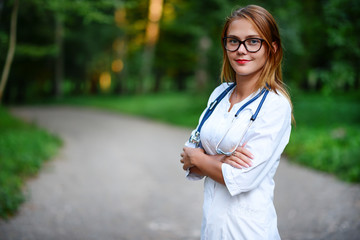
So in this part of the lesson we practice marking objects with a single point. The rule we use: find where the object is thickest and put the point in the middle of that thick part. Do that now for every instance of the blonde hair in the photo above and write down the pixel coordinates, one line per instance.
(264, 23)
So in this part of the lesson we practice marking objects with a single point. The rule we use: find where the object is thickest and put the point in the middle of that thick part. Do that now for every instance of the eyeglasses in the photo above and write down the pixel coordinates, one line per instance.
(252, 45)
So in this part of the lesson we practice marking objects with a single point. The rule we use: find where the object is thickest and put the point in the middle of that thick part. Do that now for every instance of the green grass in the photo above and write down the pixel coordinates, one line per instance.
(334, 150)
(326, 136)
(23, 149)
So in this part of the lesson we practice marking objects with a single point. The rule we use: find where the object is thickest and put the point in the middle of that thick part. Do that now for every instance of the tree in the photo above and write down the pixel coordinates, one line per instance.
(45, 53)
(59, 62)
(1, 6)
(11, 50)
(62, 11)
(151, 39)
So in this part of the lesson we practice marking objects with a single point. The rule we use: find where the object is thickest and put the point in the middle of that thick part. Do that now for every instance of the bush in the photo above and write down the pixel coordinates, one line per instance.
(23, 149)
(335, 151)
(327, 136)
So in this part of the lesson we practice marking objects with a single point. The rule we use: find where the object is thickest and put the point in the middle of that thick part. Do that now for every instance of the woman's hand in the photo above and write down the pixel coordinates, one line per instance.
(188, 155)
(241, 158)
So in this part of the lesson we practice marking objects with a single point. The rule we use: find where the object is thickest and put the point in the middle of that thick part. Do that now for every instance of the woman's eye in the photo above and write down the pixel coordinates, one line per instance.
(233, 41)
(253, 41)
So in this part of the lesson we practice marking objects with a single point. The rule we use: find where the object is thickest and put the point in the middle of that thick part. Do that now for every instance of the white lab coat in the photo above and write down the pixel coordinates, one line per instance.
(243, 208)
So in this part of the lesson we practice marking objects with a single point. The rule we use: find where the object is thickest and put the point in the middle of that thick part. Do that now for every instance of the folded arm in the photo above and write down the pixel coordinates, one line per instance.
(202, 164)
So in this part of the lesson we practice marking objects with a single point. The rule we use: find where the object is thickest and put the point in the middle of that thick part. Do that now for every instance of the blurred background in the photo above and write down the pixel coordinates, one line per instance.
(119, 47)
(161, 59)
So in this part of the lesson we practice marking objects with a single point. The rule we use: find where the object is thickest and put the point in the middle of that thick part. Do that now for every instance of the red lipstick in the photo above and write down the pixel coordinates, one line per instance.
(242, 61)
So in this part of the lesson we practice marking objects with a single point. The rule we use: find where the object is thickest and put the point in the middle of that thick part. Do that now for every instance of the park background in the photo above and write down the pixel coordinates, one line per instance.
(161, 59)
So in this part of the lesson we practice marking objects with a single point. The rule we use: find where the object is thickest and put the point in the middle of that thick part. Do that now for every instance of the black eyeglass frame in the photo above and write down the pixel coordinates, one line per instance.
(243, 42)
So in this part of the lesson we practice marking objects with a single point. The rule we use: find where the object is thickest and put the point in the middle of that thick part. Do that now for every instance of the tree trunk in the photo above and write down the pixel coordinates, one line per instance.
(1, 6)
(201, 72)
(120, 47)
(11, 51)
(146, 69)
(59, 62)
(151, 38)
(157, 83)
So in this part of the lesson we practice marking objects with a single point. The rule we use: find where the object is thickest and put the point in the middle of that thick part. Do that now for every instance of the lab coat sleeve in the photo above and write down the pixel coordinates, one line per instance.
(188, 174)
(266, 140)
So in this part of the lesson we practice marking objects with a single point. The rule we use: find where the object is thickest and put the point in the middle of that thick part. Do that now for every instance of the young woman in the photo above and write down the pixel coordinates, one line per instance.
(239, 156)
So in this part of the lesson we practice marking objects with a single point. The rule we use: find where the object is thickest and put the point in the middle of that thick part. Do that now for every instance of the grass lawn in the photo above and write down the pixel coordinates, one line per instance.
(23, 149)
(326, 136)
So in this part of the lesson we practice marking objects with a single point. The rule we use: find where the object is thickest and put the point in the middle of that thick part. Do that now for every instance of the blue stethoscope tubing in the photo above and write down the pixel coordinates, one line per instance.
(195, 137)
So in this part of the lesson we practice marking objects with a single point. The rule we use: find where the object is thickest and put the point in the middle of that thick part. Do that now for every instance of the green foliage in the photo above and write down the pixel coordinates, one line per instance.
(23, 149)
(332, 111)
(327, 135)
(333, 150)
(36, 52)
(321, 42)
(321, 45)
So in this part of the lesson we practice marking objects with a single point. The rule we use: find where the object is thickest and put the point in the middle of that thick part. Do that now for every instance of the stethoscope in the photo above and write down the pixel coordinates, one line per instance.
(195, 136)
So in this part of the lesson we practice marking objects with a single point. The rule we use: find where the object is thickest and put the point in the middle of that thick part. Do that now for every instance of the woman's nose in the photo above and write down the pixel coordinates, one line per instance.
(242, 48)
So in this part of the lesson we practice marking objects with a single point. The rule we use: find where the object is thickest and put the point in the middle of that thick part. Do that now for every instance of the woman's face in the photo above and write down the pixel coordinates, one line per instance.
(245, 64)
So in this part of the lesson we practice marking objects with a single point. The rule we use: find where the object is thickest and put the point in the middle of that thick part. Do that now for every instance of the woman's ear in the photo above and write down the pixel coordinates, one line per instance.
(275, 46)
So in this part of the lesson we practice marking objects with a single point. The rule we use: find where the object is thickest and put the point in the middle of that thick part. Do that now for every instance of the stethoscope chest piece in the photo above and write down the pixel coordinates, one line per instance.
(195, 138)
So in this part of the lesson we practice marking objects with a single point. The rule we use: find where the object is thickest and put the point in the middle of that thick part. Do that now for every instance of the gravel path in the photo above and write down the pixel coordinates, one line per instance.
(118, 177)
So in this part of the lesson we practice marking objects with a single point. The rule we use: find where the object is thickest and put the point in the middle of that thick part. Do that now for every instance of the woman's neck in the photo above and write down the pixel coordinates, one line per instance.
(243, 89)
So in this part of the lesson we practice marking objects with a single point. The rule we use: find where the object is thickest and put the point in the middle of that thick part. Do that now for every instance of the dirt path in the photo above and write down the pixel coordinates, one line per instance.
(119, 177)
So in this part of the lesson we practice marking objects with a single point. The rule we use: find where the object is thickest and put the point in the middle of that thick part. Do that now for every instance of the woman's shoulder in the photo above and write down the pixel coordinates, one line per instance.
(278, 101)
(219, 89)
(222, 87)
(276, 110)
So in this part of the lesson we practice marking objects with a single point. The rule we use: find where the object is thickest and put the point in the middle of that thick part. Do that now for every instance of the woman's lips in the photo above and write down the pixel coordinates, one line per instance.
(242, 61)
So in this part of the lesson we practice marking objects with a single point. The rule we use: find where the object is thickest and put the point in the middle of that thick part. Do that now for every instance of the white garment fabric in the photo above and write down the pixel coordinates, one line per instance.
(243, 208)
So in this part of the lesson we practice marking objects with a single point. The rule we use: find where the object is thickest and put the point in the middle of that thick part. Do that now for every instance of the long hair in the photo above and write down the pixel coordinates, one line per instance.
(266, 26)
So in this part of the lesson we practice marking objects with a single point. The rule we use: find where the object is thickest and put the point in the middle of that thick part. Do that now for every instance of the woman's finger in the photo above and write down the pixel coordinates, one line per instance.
(232, 163)
(244, 151)
(187, 166)
(242, 162)
(235, 162)
(244, 158)
(241, 158)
